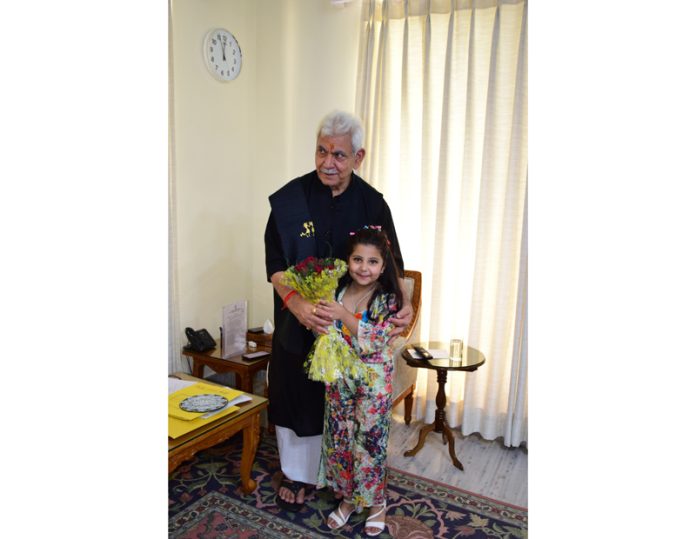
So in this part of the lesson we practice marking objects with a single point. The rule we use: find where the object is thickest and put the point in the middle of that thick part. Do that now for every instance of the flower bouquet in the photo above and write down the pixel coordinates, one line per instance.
(330, 356)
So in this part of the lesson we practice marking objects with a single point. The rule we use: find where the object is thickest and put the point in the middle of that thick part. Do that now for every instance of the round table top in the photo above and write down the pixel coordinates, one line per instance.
(472, 359)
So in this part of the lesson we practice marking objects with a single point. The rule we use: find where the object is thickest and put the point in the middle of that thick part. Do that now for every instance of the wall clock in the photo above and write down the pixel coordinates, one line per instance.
(222, 54)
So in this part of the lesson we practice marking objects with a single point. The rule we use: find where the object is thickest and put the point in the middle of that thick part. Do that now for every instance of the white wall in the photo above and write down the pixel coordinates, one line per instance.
(237, 142)
(307, 67)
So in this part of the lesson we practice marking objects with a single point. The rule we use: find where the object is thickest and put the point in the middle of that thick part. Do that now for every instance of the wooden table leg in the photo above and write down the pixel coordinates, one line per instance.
(440, 423)
(448, 432)
(421, 440)
(440, 400)
(245, 383)
(251, 435)
(197, 369)
(408, 405)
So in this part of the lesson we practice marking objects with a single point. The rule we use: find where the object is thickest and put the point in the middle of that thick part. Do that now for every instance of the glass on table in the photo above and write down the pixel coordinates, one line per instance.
(456, 351)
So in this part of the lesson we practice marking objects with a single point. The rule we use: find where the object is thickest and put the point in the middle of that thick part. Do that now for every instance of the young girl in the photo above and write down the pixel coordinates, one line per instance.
(357, 412)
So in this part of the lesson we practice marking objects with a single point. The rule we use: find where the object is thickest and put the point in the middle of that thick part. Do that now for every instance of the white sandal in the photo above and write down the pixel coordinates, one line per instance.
(338, 517)
(379, 524)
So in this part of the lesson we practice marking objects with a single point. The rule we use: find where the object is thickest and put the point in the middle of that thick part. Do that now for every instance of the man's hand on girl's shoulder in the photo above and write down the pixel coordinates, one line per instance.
(401, 320)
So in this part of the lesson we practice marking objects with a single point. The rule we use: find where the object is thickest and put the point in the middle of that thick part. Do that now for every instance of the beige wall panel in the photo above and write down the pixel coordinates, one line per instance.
(236, 142)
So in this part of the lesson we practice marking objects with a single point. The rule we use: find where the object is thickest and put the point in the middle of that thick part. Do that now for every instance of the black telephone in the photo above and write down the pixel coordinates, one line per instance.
(199, 340)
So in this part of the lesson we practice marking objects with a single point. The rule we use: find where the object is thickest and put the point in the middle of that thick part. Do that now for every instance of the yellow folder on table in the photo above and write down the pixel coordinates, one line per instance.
(181, 422)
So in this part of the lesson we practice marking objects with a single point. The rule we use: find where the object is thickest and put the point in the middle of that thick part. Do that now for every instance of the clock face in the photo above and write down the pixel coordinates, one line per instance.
(222, 54)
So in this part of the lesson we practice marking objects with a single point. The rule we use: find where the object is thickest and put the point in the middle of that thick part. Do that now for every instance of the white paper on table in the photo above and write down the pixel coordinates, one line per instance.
(237, 400)
(438, 354)
(234, 328)
(175, 384)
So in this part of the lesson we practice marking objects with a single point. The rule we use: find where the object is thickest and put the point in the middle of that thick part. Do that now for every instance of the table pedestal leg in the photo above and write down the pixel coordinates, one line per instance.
(453, 456)
(440, 423)
(421, 440)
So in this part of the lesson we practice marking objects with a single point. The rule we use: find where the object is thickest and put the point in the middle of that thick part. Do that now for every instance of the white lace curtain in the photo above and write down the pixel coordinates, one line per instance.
(442, 88)
(176, 363)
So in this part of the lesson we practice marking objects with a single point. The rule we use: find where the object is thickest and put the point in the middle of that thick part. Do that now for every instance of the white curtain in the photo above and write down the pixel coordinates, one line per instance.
(442, 89)
(176, 362)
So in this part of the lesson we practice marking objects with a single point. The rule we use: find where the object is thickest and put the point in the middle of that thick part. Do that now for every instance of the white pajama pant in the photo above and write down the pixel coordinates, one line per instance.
(299, 455)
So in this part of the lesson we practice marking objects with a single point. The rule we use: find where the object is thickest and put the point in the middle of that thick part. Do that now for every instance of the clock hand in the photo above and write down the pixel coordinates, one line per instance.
(223, 51)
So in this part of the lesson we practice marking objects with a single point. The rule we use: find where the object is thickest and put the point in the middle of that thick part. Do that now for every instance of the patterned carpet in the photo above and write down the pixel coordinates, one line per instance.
(205, 503)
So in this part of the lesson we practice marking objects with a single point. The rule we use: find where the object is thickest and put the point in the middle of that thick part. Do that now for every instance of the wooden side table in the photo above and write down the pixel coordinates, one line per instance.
(246, 419)
(244, 370)
(472, 360)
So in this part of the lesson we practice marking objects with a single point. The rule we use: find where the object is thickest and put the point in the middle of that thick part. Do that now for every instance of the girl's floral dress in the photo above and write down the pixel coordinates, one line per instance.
(357, 413)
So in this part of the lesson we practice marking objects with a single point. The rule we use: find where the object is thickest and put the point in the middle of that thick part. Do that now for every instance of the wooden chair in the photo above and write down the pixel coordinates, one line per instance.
(404, 377)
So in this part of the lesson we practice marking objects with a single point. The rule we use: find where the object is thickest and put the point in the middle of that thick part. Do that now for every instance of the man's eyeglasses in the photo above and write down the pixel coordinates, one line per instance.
(338, 156)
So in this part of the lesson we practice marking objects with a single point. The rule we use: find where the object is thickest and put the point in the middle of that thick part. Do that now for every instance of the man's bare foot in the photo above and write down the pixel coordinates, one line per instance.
(291, 494)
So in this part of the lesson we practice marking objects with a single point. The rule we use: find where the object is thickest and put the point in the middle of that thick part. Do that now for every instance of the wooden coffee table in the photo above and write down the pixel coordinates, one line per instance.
(246, 419)
(244, 370)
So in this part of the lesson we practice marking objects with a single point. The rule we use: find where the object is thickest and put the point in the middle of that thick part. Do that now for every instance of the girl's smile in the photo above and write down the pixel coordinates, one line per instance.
(365, 265)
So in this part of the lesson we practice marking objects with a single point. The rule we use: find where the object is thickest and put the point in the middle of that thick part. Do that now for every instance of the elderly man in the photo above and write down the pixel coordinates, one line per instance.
(312, 216)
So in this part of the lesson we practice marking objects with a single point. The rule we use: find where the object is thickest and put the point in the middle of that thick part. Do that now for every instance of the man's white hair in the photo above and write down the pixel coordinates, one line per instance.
(339, 123)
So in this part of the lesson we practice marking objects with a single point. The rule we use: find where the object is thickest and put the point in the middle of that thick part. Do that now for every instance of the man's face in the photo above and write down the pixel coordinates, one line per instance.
(335, 161)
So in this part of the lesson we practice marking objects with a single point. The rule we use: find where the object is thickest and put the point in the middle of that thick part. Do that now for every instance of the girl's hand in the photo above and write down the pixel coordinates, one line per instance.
(331, 310)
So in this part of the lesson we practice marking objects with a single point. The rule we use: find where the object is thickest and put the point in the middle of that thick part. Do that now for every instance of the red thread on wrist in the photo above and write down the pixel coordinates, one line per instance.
(287, 297)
